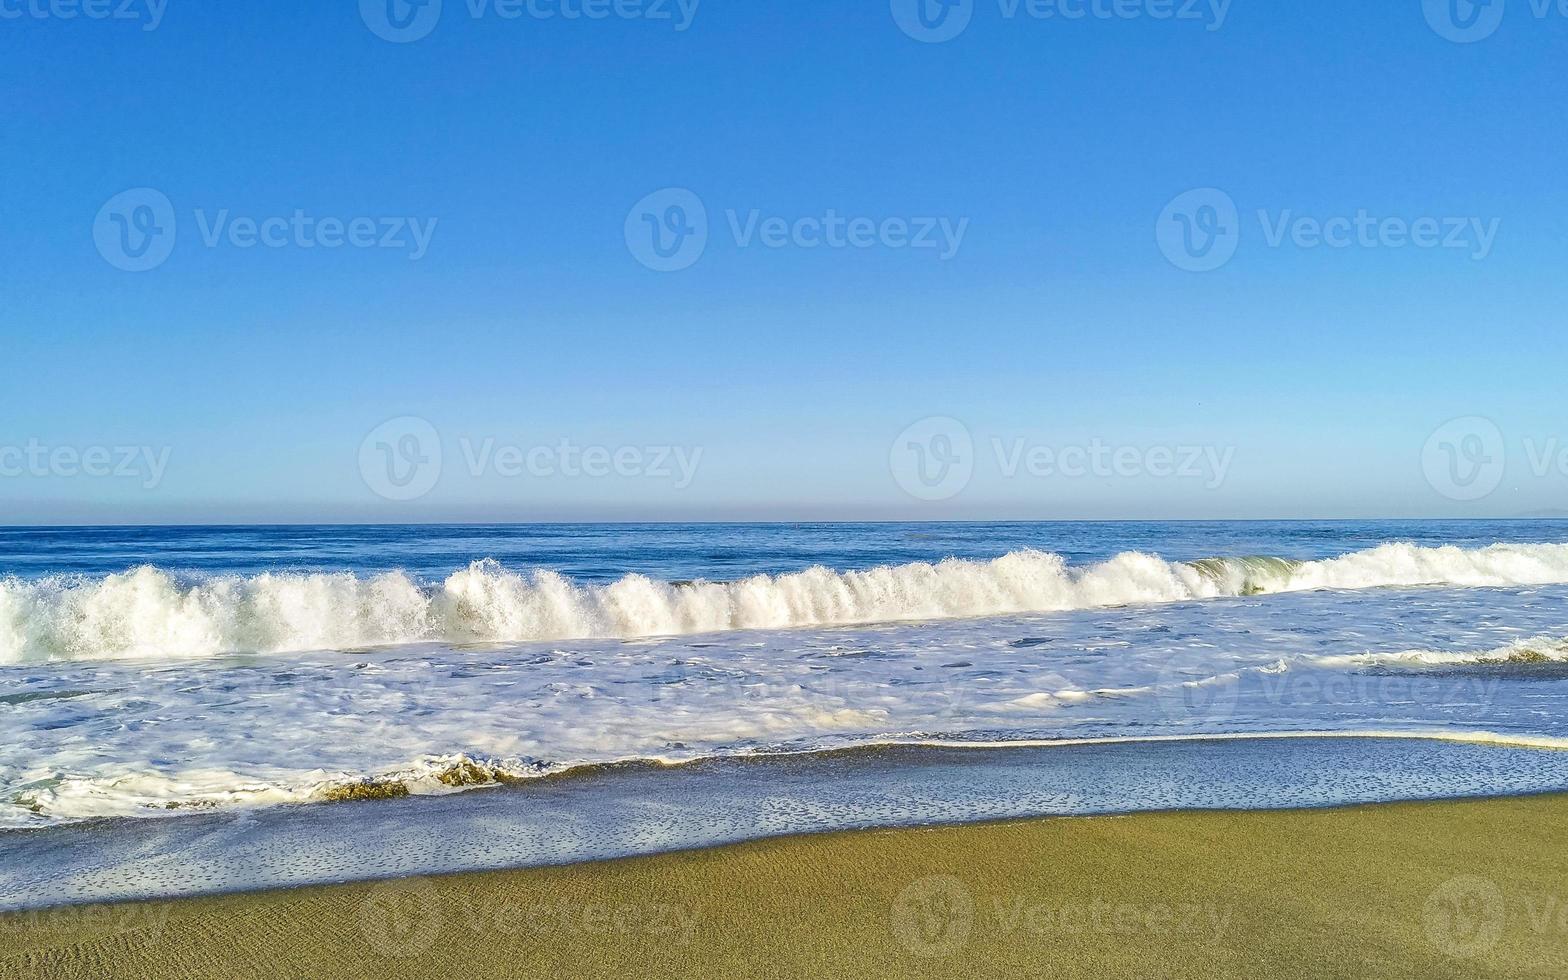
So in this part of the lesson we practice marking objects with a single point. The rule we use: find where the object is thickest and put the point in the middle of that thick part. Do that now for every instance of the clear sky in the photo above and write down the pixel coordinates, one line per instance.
(874, 228)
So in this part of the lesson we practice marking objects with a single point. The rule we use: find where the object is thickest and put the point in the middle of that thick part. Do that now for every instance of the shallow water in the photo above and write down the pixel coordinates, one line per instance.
(627, 811)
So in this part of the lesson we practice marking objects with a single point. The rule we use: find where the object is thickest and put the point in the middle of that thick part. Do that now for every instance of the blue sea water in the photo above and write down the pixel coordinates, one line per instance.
(677, 552)
(164, 671)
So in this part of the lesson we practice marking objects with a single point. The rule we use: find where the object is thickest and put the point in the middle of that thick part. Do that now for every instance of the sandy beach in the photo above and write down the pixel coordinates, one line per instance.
(643, 489)
(1472, 888)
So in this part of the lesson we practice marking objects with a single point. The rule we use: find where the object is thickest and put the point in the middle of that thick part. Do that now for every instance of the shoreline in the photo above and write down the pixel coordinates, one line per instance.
(24, 912)
(463, 774)
(630, 811)
(1451, 888)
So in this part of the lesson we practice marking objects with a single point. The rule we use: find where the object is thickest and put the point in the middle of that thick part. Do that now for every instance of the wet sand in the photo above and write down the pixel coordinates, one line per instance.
(1461, 889)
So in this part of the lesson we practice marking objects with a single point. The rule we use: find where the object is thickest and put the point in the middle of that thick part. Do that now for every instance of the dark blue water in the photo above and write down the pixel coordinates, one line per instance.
(603, 552)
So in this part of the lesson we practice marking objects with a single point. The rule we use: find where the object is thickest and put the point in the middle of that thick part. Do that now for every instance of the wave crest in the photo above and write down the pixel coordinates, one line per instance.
(149, 613)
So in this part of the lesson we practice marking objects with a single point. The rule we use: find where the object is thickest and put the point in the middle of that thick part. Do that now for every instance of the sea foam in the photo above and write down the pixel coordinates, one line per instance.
(148, 612)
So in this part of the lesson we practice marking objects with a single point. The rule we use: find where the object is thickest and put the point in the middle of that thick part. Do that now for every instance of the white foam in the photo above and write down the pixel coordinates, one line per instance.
(96, 738)
(1543, 649)
(148, 795)
(148, 613)
(1418, 734)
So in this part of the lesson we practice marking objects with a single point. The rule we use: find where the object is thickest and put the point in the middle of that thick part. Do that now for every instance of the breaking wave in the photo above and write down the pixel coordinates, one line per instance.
(149, 613)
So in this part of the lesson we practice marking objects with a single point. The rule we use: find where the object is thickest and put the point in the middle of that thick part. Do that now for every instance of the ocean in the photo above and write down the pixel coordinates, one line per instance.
(150, 676)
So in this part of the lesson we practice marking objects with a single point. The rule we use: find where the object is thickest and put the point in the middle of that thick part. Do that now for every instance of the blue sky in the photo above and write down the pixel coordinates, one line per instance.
(239, 381)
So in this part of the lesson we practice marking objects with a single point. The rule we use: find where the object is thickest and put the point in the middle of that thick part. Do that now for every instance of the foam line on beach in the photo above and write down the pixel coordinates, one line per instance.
(644, 810)
(148, 795)
(1507, 739)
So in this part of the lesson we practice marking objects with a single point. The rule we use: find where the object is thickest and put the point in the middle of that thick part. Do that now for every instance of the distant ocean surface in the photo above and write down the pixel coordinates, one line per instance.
(158, 671)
